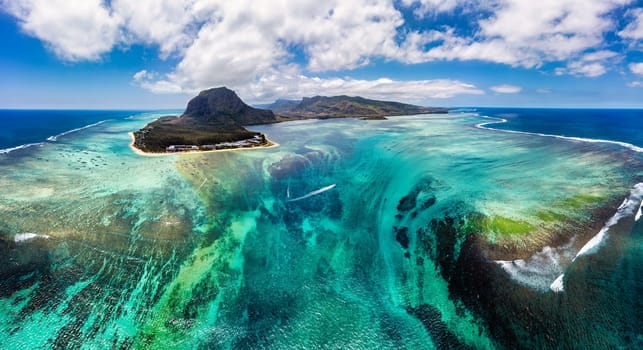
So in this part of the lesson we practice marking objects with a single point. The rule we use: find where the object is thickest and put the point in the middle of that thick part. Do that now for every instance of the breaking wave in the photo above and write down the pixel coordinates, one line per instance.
(542, 270)
(9, 150)
(570, 138)
(629, 206)
(55, 137)
(50, 138)
(545, 269)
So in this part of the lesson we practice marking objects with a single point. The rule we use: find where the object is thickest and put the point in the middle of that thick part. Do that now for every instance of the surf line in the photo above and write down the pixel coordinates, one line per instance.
(627, 208)
(27, 145)
(50, 138)
(313, 193)
(570, 138)
(55, 137)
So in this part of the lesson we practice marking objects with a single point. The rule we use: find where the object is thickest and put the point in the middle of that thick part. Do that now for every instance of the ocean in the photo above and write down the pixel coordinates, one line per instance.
(485, 228)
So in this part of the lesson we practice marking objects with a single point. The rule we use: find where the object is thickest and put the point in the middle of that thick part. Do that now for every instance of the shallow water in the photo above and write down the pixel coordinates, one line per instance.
(414, 232)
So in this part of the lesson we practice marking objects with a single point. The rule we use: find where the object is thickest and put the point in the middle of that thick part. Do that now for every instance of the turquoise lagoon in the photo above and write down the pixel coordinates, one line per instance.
(418, 232)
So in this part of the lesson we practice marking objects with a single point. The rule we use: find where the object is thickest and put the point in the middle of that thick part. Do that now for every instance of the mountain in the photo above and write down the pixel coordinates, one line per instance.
(346, 107)
(214, 116)
(222, 105)
(280, 105)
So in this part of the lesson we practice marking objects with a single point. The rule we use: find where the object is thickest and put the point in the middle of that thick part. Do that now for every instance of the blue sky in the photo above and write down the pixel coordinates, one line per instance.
(156, 54)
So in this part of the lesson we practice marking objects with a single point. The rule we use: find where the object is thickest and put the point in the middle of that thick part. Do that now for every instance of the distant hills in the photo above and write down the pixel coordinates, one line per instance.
(218, 116)
(345, 107)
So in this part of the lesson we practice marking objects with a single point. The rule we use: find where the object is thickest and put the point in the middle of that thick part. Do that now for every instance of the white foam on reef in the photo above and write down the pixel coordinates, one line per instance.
(571, 138)
(50, 138)
(539, 271)
(28, 236)
(9, 150)
(557, 286)
(638, 213)
(627, 208)
(313, 193)
(55, 137)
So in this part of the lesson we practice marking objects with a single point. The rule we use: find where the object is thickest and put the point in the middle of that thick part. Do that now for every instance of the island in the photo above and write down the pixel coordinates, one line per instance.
(215, 120)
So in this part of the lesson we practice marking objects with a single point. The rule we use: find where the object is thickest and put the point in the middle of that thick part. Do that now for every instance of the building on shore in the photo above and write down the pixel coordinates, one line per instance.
(256, 140)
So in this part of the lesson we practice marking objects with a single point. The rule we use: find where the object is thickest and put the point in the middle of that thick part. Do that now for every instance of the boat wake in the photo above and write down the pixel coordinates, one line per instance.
(313, 193)
(570, 138)
(28, 236)
(55, 137)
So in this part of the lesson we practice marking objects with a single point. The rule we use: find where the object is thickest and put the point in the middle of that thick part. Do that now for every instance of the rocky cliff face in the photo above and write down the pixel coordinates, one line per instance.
(222, 105)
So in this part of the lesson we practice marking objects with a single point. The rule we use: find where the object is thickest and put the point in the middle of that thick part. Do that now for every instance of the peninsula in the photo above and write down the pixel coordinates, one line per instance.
(213, 120)
(322, 107)
(216, 120)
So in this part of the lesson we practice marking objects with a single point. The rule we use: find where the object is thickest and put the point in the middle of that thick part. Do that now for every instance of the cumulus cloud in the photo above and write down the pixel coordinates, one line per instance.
(634, 30)
(637, 68)
(244, 43)
(506, 89)
(530, 33)
(290, 82)
(424, 8)
(591, 65)
(75, 30)
(170, 24)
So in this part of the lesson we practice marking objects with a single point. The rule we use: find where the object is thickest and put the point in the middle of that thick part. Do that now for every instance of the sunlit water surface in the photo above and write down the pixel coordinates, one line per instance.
(416, 232)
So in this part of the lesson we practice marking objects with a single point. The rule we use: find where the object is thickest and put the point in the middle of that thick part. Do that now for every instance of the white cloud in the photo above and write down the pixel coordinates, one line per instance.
(143, 75)
(75, 30)
(530, 33)
(591, 65)
(634, 30)
(244, 43)
(599, 56)
(590, 70)
(636, 68)
(506, 89)
(170, 24)
(635, 84)
(424, 8)
(543, 91)
(289, 82)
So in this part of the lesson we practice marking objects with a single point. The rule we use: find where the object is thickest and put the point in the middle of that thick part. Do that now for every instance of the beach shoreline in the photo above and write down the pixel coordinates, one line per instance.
(270, 144)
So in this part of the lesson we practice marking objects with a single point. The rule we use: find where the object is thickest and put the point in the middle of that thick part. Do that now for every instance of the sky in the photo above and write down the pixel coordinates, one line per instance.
(156, 54)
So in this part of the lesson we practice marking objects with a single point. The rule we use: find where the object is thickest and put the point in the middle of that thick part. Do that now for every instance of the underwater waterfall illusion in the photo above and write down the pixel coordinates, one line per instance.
(417, 232)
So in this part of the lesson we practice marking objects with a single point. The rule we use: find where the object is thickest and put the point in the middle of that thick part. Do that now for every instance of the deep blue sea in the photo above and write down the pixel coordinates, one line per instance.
(22, 127)
(623, 125)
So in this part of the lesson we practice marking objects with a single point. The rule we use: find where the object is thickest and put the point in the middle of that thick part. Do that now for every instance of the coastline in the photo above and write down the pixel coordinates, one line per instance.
(271, 144)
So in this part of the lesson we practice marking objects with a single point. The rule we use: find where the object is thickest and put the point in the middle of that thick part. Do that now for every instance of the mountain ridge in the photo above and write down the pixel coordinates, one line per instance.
(216, 118)
(344, 106)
